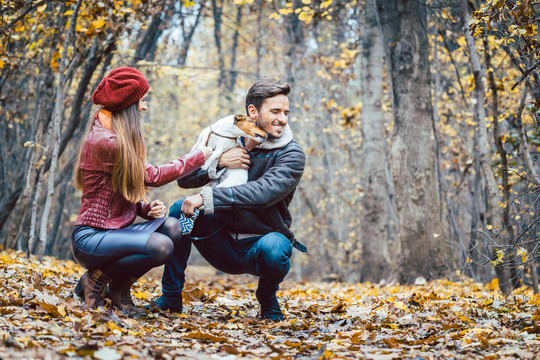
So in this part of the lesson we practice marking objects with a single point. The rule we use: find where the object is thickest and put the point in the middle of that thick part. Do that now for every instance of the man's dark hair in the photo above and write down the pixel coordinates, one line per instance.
(264, 89)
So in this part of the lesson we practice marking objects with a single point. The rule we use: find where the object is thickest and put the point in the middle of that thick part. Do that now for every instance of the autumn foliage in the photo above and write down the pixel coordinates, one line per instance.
(365, 213)
(41, 318)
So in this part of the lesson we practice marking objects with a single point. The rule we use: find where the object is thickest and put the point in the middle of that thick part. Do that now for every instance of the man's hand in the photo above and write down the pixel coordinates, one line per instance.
(235, 158)
(157, 209)
(191, 203)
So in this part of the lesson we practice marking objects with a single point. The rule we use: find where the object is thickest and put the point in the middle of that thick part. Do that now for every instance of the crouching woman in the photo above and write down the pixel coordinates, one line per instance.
(114, 177)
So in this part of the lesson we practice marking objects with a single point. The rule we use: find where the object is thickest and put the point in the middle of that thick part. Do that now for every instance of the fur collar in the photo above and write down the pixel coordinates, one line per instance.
(286, 137)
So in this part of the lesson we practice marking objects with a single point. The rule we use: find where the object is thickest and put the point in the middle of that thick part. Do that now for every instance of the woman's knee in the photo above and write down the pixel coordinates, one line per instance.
(159, 247)
(171, 227)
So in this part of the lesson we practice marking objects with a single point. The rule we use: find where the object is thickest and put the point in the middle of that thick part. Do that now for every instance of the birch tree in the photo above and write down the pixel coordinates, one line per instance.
(375, 257)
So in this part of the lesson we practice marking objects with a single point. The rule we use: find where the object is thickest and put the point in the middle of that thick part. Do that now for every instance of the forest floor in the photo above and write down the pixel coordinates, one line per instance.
(41, 319)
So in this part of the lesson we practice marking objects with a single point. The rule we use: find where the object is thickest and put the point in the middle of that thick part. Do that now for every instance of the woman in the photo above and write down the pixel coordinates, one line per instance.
(114, 177)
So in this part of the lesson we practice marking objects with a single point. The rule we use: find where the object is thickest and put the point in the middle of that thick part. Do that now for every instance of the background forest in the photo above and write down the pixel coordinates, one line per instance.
(420, 122)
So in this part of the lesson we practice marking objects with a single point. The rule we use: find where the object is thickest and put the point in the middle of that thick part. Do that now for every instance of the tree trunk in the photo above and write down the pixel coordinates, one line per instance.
(375, 256)
(406, 44)
(187, 35)
(232, 75)
(146, 49)
(217, 11)
(485, 163)
(295, 38)
(57, 118)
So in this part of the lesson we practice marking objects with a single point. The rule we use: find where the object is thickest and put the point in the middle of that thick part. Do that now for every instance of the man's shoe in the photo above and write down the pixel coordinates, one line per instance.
(269, 305)
(173, 304)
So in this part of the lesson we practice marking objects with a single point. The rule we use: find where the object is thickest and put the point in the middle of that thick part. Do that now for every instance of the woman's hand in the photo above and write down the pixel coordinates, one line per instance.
(157, 209)
(235, 158)
(191, 203)
(206, 150)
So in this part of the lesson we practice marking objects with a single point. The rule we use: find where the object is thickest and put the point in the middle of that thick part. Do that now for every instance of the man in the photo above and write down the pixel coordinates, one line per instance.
(245, 228)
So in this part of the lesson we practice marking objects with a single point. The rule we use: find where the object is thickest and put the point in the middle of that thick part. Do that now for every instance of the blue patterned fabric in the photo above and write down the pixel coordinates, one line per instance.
(187, 223)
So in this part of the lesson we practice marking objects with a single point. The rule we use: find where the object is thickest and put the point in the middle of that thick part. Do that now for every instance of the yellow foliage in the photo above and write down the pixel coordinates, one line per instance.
(493, 285)
(99, 23)
(326, 4)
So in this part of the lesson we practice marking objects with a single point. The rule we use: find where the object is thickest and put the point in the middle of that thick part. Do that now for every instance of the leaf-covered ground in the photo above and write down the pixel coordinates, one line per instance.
(41, 319)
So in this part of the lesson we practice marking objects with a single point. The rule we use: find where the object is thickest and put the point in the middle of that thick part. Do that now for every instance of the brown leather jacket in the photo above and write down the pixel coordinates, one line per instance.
(101, 206)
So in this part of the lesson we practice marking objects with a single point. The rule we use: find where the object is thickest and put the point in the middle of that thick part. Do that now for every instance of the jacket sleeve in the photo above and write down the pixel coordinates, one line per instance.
(273, 186)
(196, 179)
(164, 174)
(143, 209)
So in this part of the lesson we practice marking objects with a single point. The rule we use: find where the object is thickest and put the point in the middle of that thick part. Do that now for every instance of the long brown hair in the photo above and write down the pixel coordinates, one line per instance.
(129, 167)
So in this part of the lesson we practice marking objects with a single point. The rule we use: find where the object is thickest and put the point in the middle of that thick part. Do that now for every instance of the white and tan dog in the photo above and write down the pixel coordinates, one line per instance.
(223, 135)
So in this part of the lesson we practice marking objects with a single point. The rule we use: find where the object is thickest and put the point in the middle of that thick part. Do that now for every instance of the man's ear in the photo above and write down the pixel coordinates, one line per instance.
(252, 111)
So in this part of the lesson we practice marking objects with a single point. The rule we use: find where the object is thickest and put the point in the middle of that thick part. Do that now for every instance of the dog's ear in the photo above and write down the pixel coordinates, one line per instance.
(238, 117)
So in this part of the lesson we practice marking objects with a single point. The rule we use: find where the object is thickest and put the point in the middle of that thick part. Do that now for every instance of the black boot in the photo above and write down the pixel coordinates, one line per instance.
(173, 304)
(91, 288)
(120, 295)
(266, 295)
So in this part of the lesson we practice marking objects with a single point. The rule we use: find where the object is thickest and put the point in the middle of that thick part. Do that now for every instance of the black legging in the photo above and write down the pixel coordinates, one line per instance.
(156, 252)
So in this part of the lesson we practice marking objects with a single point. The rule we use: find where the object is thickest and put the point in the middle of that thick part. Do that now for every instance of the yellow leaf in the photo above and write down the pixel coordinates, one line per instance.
(99, 23)
(326, 4)
(436, 235)
(400, 305)
(523, 253)
(285, 11)
(42, 8)
(328, 355)
(205, 336)
(306, 2)
(462, 42)
(112, 326)
(274, 16)
(141, 295)
(494, 284)
(535, 300)
(305, 17)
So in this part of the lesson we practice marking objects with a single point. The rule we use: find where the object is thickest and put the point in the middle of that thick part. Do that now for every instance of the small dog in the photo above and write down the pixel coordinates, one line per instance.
(224, 135)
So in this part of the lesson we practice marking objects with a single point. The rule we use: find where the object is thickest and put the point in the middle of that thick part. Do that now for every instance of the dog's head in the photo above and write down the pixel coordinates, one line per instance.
(249, 126)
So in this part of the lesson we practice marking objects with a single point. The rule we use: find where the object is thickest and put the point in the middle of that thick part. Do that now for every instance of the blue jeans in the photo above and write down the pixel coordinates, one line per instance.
(267, 256)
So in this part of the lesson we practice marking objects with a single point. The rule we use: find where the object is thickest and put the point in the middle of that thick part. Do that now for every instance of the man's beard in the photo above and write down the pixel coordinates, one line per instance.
(258, 122)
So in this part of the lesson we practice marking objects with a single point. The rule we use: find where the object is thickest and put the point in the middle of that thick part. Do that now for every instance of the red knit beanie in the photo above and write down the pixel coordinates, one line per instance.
(120, 89)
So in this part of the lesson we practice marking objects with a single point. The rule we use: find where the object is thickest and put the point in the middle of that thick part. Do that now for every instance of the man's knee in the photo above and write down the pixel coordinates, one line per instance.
(174, 211)
(275, 251)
